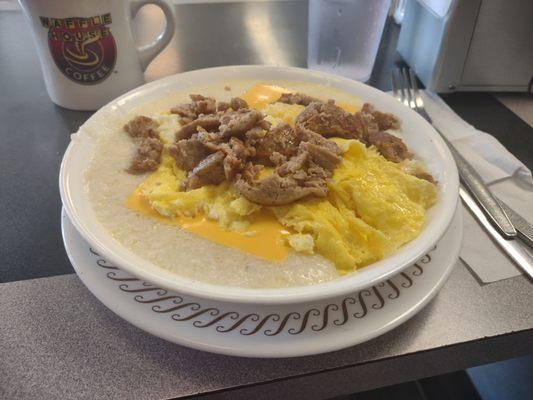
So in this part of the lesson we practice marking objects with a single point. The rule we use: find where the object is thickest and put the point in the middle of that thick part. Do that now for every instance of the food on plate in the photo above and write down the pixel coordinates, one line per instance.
(260, 184)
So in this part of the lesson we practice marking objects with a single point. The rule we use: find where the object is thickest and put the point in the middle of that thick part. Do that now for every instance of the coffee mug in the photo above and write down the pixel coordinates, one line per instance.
(86, 48)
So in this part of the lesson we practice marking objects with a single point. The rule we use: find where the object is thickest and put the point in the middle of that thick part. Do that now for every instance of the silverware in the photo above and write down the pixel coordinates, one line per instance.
(523, 228)
(511, 247)
(410, 96)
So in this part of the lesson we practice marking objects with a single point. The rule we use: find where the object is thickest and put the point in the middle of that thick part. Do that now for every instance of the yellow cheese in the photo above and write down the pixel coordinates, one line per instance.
(261, 95)
(263, 237)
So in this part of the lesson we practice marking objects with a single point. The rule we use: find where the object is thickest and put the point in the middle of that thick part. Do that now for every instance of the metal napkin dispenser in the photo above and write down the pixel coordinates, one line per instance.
(469, 45)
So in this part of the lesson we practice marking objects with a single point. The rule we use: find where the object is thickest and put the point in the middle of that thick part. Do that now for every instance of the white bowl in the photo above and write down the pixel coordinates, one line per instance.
(419, 136)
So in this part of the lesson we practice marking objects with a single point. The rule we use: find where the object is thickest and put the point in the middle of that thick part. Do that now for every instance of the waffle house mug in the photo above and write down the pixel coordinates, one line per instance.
(86, 48)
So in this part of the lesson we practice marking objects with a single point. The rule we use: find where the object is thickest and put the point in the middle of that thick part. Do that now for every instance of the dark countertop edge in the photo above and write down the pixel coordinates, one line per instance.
(396, 369)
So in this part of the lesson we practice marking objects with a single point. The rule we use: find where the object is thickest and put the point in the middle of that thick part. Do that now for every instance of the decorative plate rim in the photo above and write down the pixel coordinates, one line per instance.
(283, 346)
(163, 301)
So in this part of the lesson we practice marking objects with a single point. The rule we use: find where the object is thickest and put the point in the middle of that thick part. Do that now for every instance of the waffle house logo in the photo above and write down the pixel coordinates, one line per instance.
(82, 48)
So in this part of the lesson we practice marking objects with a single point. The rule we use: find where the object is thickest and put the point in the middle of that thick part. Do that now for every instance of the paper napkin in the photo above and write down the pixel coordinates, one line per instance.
(506, 176)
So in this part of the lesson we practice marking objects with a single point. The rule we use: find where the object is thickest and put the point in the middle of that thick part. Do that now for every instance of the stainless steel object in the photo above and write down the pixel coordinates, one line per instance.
(410, 96)
(469, 45)
(230, 33)
(523, 228)
(511, 247)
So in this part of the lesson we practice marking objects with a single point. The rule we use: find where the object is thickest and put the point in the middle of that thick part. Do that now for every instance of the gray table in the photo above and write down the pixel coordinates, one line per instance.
(58, 341)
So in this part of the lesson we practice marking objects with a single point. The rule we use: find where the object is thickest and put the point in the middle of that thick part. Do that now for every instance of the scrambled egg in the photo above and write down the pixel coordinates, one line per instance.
(281, 112)
(221, 202)
(372, 208)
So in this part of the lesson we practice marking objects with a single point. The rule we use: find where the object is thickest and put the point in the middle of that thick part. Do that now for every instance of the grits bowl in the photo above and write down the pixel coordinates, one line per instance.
(108, 205)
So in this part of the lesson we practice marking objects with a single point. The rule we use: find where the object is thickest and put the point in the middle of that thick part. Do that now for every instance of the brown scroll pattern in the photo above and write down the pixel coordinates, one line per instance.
(314, 319)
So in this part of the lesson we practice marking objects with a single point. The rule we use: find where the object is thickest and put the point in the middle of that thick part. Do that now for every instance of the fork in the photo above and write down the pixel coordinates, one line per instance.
(409, 95)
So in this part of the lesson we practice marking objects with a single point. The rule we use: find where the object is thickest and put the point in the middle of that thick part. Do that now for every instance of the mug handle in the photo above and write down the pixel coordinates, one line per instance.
(147, 53)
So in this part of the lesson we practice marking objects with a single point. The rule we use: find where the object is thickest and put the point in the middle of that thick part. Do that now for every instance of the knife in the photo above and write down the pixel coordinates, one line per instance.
(511, 247)
(523, 228)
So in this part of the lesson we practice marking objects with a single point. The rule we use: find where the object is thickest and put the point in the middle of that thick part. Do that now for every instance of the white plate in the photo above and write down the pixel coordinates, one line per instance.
(266, 330)
(417, 133)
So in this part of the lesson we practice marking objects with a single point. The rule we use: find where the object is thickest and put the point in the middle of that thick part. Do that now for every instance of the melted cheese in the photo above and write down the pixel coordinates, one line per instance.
(266, 241)
(261, 95)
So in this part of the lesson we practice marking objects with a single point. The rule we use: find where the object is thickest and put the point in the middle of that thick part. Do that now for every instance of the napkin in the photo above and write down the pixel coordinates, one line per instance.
(505, 175)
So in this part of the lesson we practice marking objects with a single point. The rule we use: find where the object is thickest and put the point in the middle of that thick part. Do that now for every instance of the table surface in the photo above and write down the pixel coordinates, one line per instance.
(58, 341)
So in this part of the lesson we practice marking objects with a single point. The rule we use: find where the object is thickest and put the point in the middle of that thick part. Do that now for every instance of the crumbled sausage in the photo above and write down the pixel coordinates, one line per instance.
(425, 176)
(237, 154)
(237, 123)
(384, 120)
(281, 139)
(304, 174)
(391, 147)
(275, 190)
(209, 171)
(327, 119)
(188, 152)
(237, 103)
(201, 105)
(277, 158)
(141, 127)
(187, 112)
(294, 164)
(147, 155)
(367, 125)
(307, 135)
(321, 155)
(223, 106)
(207, 122)
(229, 141)
(297, 98)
